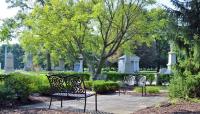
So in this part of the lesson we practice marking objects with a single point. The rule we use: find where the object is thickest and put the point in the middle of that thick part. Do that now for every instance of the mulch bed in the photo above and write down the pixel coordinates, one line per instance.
(183, 107)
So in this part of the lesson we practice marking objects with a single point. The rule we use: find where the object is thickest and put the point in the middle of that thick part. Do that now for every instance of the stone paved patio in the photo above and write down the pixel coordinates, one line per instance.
(123, 104)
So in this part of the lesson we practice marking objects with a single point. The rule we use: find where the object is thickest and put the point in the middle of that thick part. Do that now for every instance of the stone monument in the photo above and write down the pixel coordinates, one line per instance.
(61, 64)
(29, 63)
(171, 59)
(128, 64)
(9, 64)
(78, 66)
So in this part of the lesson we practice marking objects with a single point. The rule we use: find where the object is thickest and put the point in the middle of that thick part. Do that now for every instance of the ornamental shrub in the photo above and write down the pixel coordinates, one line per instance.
(102, 87)
(86, 75)
(20, 84)
(149, 90)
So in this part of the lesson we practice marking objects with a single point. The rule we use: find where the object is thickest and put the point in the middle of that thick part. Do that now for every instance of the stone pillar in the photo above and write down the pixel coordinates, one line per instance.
(81, 64)
(78, 66)
(61, 64)
(5, 56)
(171, 58)
(9, 66)
(29, 62)
(121, 64)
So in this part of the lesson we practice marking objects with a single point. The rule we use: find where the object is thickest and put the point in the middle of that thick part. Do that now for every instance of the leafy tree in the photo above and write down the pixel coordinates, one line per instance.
(187, 37)
(94, 28)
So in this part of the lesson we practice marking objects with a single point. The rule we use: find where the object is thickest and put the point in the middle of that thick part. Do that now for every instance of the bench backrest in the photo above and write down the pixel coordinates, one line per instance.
(75, 84)
(62, 83)
(56, 83)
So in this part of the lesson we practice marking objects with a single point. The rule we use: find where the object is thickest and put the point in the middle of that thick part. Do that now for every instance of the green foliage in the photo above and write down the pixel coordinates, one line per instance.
(94, 29)
(7, 95)
(184, 85)
(88, 84)
(101, 86)
(186, 34)
(22, 85)
(86, 75)
(149, 89)
(163, 78)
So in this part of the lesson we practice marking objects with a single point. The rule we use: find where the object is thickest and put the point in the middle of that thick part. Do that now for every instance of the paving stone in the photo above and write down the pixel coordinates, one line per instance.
(107, 104)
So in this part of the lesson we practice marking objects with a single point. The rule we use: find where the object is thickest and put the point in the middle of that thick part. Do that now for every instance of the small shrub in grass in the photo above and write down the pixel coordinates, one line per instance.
(149, 90)
(153, 90)
(101, 86)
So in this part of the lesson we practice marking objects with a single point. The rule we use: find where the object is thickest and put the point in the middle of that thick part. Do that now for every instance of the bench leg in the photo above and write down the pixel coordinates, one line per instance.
(96, 102)
(142, 91)
(50, 103)
(61, 102)
(85, 104)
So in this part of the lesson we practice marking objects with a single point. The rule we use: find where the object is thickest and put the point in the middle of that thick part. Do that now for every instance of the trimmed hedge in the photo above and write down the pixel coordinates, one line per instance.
(23, 85)
(102, 87)
(150, 90)
(86, 75)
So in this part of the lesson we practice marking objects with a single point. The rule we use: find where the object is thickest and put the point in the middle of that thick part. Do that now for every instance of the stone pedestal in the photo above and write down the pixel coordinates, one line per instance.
(61, 64)
(78, 66)
(171, 61)
(29, 62)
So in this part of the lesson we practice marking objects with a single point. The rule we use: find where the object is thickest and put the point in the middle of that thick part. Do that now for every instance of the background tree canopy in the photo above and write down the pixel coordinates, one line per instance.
(95, 29)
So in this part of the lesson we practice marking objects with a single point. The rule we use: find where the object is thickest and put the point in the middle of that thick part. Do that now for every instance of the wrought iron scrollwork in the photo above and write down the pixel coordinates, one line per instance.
(56, 83)
(75, 84)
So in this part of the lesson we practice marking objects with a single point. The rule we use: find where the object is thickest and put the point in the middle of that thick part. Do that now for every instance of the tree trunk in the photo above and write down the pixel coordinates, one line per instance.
(49, 61)
(158, 55)
(99, 68)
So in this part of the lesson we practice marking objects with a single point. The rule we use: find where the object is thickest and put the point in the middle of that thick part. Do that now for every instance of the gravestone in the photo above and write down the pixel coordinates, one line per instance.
(78, 66)
(61, 64)
(9, 66)
(29, 63)
(128, 64)
(171, 61)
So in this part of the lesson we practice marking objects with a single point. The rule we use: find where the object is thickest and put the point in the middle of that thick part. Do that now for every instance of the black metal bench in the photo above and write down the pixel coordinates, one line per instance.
(69, 86)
